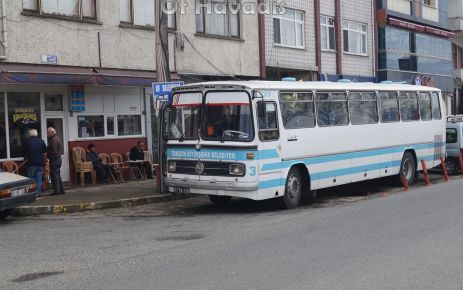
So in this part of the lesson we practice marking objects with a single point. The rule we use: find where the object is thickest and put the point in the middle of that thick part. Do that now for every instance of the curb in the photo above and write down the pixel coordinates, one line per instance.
(89, 206)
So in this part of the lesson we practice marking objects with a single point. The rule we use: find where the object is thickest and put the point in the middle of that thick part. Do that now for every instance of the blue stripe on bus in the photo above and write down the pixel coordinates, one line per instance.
(346, 156)
(342, 172)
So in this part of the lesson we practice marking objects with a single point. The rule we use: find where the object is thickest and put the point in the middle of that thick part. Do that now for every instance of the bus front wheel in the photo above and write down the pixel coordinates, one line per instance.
(407, 168)
(293, 189)
(220, 200)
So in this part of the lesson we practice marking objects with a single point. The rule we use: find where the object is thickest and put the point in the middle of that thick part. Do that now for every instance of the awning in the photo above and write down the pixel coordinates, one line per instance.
(67, 75)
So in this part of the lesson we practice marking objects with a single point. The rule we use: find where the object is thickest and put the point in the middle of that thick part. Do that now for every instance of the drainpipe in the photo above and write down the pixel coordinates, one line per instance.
(4, 32)
(318, 50)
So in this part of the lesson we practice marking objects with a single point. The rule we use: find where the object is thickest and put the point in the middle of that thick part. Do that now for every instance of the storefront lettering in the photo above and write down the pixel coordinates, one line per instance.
(25, 115)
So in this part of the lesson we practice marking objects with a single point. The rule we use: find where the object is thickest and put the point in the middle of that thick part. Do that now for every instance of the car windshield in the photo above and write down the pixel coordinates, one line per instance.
(227, 117)
(185, 116)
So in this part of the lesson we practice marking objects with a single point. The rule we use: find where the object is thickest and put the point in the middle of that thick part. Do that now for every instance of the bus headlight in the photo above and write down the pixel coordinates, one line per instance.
(237, 169)
(171, 166)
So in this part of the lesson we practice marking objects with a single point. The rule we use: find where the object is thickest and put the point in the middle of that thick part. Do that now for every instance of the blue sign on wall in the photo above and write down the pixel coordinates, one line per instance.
(163, 91)
(77, 99)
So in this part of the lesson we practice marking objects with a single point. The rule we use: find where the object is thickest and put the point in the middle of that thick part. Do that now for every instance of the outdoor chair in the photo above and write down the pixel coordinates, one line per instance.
(120, 166)
(82, 166)
(10, 166)
(149, 158)
(106, 159)
(46, 175)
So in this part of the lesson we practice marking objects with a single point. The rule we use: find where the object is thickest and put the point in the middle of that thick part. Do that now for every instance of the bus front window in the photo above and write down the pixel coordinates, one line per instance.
(185, 116)
(227, 117)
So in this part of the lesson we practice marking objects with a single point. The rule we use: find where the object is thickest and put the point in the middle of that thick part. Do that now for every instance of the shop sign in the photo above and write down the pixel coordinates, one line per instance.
(77, 99)
(438, 32)
(406, 25)
(423, 80)
(24, 116)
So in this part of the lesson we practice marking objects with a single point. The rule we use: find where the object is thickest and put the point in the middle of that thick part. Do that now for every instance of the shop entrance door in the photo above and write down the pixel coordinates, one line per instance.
(58, 124)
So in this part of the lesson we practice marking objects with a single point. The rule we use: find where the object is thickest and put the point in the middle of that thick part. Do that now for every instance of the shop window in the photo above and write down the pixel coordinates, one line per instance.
(2, 128)
(91, 126)
(110, 125)
(54, 103)
(128, 125)
(23, 114)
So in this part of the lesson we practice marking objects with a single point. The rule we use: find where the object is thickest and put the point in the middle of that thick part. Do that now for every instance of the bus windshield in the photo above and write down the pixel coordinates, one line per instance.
(227, 117)
(185, 116)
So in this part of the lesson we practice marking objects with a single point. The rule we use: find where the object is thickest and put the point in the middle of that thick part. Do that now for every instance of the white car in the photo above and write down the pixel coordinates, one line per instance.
(15, 190)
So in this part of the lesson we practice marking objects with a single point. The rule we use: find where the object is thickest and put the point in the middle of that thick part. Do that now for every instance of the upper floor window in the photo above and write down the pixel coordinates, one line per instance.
(355, 37)
(142, 13)
(288, 29)
(80, 9)
(218, 18)
(431, 3)
(327, 33)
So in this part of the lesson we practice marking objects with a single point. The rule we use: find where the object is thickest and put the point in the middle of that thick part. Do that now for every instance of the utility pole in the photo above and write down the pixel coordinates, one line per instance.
(161, 42)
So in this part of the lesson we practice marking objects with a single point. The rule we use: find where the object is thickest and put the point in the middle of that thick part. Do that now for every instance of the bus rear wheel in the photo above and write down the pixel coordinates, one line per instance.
(220, 200)
(407, 169)
(293, 190)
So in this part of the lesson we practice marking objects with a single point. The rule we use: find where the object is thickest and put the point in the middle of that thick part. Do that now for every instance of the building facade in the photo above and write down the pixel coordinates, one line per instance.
(415, 43)
(327, 40)
(455, 14)
(86, 68)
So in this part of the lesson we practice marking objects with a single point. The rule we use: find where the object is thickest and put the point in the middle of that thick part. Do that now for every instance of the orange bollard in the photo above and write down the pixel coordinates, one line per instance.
(425, 172)
(444, 169)
(404, 182)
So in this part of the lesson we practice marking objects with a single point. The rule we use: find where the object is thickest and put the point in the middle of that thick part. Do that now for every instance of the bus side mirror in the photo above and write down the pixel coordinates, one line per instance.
(261, 110)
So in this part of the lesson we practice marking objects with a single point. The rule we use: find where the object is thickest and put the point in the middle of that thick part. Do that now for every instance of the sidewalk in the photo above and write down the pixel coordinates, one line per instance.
(78, 199)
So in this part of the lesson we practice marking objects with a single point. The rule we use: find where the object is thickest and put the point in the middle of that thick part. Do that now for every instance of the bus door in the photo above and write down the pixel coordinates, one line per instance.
(165, 113)
(269, 145)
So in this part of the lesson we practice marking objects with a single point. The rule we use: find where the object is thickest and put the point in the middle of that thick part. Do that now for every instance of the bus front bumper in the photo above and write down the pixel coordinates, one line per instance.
(209, 185)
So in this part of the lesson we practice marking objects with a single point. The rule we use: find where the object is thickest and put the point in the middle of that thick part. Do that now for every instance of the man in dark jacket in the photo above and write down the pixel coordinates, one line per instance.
(35, 154)
(136, 153)
(101, 169)
(54, 152)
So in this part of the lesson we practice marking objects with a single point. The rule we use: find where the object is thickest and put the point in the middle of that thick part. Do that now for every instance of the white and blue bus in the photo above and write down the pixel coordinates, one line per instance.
(262, 140)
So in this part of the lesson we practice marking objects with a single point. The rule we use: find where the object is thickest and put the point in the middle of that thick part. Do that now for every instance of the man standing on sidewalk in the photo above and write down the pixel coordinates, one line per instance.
(34, 154)
(55, 150)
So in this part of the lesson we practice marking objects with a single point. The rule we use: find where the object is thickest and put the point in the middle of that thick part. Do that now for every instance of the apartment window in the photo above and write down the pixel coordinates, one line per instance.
(218, 18)
(288, 29)
(137, 12)
(129, 125)
(355, 37)
(431, 3)
(327, 33)
(80, 9)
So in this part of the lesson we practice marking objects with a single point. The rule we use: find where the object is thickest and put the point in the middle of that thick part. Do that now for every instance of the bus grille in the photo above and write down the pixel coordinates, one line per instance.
(210, 168)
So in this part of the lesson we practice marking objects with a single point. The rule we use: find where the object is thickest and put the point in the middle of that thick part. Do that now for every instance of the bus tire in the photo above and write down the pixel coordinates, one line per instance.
(452, 166)
(220, 200)
(293, 189)
(407, 168)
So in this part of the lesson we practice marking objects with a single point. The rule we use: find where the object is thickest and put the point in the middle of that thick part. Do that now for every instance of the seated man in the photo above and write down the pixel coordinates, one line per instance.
(100, 168)
(136, 153)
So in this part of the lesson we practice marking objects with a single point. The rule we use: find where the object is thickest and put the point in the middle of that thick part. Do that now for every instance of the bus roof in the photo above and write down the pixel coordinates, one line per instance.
(296, 85)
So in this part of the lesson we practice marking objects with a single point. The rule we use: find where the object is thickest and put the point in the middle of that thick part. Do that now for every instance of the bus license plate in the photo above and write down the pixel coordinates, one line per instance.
(182, 190)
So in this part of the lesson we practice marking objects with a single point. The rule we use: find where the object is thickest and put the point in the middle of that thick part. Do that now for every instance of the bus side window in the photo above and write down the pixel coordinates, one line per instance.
(436, 112)
(425, 107)
(409, 110)
(297, 110)
(332, 109)
(363, 108)
(268, 124)
(389, 107)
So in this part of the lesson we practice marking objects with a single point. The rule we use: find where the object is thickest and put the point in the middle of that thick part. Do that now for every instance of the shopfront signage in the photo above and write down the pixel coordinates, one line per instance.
(420, 28)
(77, 99)
(423, 80)
(24, 116)
(163, 91)
(406, 25)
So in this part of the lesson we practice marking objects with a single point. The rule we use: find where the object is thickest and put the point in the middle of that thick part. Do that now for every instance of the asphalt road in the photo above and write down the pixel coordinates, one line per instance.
(406, 240)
